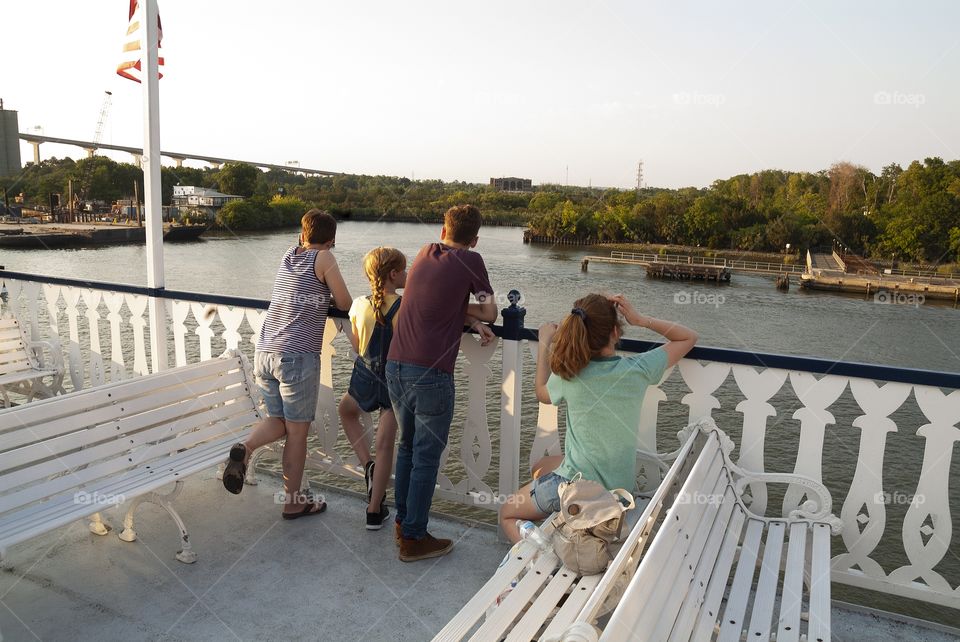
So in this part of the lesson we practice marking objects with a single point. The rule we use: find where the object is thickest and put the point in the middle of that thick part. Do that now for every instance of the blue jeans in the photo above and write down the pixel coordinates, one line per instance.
(422, 400)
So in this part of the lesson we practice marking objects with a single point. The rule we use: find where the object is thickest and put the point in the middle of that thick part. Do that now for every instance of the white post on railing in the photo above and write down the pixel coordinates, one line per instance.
(151, 184)
(510, 392)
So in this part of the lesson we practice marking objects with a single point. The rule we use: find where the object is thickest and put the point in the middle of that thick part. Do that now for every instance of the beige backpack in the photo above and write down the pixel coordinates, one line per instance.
(589, 523)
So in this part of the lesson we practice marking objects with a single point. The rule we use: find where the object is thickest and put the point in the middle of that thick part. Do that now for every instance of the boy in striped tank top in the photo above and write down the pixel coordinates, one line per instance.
(287, 360)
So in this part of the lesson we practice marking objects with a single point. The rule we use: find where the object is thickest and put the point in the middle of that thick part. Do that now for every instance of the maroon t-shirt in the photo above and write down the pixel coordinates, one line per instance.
(430, 321)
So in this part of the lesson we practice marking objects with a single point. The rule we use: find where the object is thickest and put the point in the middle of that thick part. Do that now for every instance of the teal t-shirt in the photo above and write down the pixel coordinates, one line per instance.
(603, 414)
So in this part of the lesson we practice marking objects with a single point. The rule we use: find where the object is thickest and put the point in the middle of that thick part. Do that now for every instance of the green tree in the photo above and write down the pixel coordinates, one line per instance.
(238, 178)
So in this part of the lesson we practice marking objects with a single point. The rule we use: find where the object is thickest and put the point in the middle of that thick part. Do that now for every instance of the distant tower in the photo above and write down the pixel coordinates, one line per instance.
(639, 176)
(9, 142)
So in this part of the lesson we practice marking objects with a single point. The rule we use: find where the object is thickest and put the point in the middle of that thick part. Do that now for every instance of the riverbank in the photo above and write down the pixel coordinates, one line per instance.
(494, 219)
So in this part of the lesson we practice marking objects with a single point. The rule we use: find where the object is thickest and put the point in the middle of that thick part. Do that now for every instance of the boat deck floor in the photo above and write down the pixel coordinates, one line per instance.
(262, 578)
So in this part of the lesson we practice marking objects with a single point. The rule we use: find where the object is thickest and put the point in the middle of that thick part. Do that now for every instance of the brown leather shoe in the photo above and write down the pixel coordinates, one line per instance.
(412, 550)
(397, 533)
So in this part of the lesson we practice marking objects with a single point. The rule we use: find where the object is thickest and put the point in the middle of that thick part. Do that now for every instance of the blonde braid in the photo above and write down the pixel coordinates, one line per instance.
(376, 285)
(378, 264)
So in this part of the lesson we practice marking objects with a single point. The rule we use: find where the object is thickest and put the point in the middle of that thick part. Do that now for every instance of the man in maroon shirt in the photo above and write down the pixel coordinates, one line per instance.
(435, 307)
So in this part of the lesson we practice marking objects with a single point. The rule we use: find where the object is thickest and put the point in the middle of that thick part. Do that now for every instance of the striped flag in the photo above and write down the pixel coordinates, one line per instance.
(130, 68)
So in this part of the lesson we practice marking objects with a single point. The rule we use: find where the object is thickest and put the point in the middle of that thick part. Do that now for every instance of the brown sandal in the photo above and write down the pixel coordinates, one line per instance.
(320, 506)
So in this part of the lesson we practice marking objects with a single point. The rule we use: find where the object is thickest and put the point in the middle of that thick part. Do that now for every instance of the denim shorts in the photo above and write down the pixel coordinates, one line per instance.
(289, 383)
(368, 389)
(546, 492)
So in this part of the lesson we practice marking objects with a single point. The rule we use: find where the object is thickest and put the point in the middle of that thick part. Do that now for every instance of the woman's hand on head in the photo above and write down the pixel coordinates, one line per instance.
(628, 312)
(546, 332)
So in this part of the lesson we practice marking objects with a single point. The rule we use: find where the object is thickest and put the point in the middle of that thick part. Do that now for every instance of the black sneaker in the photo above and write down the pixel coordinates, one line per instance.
(375, 521)
(368, 478)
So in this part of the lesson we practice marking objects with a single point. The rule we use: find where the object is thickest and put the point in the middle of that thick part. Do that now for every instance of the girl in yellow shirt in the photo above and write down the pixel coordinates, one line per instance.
(372, 321)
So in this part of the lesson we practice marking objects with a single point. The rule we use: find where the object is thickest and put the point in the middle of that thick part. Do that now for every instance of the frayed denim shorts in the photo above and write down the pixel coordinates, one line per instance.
(546, 492)
(289, 384)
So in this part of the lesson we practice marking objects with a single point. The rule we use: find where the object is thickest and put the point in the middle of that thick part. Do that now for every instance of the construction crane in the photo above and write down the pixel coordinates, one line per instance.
(84, 185)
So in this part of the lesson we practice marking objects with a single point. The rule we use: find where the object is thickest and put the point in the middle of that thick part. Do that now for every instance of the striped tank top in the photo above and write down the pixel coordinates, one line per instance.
(298, 307)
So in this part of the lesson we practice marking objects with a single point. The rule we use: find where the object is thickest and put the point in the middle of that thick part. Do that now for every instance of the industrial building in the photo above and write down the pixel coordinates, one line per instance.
(9, 142)
(512, 184)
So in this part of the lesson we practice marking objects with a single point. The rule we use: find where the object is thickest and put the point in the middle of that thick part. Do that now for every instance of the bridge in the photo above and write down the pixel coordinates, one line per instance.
(137, 152)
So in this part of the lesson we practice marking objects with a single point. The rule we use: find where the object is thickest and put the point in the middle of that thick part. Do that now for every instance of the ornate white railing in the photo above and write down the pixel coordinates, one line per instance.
(882, 439)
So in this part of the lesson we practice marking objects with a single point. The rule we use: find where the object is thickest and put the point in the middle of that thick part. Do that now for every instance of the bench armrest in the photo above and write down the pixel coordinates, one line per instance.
(56, 358)
(818, 511)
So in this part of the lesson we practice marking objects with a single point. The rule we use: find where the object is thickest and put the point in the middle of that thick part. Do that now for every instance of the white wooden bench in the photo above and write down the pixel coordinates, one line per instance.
(733, 575)
(68, 457)
(22, 365)
(676, 589)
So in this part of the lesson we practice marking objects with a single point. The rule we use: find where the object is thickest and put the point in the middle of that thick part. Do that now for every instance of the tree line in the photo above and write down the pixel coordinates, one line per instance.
(907, 214)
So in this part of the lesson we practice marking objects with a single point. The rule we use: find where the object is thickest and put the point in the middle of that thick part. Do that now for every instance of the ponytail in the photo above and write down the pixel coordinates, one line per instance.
(571, 347)
(583, 334)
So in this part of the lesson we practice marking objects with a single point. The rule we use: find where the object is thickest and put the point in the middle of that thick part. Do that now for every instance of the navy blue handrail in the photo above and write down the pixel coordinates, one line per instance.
(725, 355)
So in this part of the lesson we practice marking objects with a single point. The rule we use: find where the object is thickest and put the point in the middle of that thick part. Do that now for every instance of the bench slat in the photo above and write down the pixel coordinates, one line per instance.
(9, 330)
(766, 591)
(575, 601)
(12, 343)
(16, 364)
(791, 601)
(25, 373)
(81, 410)
(12, 352)
(710, 611)
(666, 603)
(52, 462)
(509, 610)
(45, 410)
(732, 624)
(473, 610)
(59, 511)
(142, 456)
(66, 443)
(660, 556)
(710, 562)
(532, 621)
(819, 626)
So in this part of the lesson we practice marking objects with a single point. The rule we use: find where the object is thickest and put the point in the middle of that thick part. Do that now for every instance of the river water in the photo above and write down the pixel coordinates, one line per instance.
(747, 314)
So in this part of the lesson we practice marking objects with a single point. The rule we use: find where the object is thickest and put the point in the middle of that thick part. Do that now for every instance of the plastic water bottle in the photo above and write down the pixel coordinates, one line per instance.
(530, 531)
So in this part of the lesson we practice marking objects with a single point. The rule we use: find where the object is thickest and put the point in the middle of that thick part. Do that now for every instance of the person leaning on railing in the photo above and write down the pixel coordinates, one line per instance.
(287, 359)
(603, 392)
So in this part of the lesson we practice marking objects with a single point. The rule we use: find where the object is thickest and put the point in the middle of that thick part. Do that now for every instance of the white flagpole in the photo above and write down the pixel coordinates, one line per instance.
(151, 183)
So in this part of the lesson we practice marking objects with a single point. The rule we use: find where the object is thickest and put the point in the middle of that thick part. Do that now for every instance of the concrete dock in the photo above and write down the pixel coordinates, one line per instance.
(853, 275)
(53, 235)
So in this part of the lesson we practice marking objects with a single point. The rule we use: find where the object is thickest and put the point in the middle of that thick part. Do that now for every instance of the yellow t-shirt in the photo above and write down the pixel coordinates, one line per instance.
(363, 320)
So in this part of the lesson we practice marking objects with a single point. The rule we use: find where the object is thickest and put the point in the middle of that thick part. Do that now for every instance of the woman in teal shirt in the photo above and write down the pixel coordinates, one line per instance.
(603, 392)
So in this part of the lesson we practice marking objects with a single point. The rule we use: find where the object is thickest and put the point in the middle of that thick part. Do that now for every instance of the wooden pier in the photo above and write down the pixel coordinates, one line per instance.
(696, 268)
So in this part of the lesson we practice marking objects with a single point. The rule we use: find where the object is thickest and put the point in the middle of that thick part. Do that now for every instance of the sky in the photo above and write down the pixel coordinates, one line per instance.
(559, 92)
